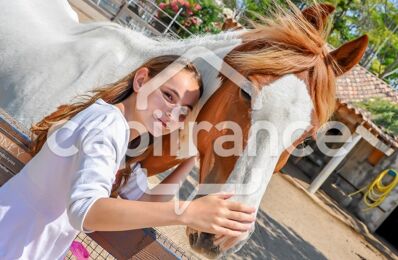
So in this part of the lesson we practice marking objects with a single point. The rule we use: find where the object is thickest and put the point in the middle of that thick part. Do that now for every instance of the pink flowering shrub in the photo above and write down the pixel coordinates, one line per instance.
(196, 16)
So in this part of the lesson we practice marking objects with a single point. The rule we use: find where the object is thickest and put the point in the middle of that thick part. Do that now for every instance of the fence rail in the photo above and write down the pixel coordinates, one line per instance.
(140, 15)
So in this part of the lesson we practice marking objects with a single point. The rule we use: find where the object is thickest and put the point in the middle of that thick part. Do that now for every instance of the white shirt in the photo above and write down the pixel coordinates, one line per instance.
(43, 207)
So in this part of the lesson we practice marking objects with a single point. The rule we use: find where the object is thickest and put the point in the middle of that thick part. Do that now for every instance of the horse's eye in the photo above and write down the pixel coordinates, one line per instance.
(307, 140)
(245, 95)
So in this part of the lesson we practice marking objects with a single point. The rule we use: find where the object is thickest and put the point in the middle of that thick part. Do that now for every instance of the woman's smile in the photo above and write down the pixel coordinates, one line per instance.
(157, 119)
(163, 123)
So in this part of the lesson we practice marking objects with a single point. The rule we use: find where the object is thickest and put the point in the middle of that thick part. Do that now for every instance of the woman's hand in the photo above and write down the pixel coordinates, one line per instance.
(216, 215)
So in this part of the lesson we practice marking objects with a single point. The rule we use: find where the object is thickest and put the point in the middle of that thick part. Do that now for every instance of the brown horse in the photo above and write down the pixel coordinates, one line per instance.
(291, 42)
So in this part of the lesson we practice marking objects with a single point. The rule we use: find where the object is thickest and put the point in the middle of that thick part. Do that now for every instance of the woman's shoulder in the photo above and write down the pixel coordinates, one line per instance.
(103, 118)
(101, 114)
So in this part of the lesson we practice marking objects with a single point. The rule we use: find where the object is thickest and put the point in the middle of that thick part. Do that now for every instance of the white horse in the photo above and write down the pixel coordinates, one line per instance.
(47, 56)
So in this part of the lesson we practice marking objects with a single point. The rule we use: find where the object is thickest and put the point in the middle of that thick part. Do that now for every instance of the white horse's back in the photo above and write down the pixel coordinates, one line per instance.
(47, 57)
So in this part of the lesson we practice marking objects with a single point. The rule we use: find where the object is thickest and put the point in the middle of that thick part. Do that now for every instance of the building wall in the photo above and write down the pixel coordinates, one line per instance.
(354, 173)
(357, 173)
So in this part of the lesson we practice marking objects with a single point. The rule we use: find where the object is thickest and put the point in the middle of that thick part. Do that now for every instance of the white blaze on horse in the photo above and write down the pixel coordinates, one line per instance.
(47, 58)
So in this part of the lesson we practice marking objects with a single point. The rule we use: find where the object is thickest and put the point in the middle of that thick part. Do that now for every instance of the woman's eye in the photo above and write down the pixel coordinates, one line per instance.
(168, 96)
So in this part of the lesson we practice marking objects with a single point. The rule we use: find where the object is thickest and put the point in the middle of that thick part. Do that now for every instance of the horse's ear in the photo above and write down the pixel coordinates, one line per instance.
(349, 54)
(318, 14)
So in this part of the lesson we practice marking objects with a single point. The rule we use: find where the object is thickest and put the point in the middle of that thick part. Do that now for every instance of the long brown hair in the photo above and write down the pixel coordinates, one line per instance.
(112, 94)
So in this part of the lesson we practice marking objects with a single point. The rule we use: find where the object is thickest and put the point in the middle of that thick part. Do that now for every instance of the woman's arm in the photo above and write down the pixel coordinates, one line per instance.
(212, 214)
(110, 214)
(167, 192)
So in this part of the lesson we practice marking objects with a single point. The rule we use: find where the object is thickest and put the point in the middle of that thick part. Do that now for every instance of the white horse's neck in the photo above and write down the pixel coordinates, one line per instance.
(285, 104)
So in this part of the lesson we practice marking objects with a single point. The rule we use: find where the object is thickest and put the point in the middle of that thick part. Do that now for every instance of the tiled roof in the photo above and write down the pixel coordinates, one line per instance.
(358, 85)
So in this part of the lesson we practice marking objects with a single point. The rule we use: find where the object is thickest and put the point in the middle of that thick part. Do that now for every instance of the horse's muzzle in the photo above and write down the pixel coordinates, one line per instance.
(203, 243)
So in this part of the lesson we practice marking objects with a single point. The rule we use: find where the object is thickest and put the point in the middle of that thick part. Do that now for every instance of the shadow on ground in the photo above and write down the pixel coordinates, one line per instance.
(272, 240)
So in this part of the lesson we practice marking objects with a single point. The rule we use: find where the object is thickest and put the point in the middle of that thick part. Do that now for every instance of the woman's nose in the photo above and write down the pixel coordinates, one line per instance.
(172, 115)
(169, 115)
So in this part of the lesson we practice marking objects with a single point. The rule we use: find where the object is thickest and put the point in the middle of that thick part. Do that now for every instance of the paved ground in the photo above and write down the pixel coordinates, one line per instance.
(293, 224)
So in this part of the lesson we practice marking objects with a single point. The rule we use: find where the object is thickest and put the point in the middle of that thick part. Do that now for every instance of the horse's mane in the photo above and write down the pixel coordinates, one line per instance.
(286, 42)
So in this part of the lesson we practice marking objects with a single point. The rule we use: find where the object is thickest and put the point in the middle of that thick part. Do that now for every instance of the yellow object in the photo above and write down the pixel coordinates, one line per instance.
(376, 191)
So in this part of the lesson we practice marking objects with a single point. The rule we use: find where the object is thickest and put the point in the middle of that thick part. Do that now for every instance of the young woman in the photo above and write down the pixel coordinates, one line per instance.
(78, 149)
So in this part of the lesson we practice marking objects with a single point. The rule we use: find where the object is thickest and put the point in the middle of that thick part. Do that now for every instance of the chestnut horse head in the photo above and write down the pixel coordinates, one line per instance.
(287, 61)
(291, 43)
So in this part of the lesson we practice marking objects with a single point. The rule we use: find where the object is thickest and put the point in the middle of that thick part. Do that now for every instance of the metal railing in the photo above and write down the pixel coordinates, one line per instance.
(141, 15)
(110, 6)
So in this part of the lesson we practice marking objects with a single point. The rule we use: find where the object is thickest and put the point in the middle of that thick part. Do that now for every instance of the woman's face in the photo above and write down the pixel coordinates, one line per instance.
(169, 104)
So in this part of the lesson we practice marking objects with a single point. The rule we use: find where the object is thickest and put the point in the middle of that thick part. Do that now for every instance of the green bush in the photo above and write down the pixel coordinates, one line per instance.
(384, 113)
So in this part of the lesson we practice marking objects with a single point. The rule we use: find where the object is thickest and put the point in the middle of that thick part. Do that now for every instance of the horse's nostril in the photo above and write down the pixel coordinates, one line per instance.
(205, 240)
(191, 239)
(203, 243)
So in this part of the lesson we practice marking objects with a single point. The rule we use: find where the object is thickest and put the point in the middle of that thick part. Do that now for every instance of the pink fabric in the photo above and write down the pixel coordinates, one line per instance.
(79, 251)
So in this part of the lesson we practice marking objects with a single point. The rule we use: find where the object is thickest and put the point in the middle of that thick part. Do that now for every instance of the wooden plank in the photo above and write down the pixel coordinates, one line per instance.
(9, 133)
(5, 174)
(132, 244)
(374, 141)
(14, 149)
(20, 153)
(13, 129)
(14, 142)
(9, 161)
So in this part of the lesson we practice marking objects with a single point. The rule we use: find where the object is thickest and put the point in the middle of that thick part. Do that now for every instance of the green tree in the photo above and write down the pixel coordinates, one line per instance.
(378, 19)
(384, 113)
